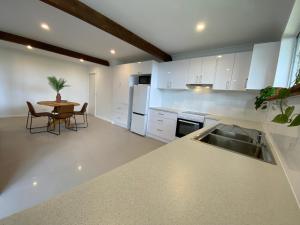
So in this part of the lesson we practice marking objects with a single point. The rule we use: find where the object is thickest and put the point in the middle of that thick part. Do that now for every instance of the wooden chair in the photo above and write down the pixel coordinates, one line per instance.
(63, 113)
(83, 113)
(33, 114)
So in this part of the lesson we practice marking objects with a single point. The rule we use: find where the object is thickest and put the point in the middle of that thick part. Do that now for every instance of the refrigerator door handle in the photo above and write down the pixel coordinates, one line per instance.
(139, 114)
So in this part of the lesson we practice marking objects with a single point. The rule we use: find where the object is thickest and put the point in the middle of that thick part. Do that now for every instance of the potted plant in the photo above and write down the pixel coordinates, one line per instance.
(280, 95)
(57, 85)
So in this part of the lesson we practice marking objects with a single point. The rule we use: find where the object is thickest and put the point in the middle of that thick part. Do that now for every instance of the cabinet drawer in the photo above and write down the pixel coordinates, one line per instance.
(162, 131)
(158, 115)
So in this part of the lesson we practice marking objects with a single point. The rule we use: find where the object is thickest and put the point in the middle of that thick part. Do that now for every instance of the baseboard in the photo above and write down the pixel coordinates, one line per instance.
(103, 118)
(12, 116)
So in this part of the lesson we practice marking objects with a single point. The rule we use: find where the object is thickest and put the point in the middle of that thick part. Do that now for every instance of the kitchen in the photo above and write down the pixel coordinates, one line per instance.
(221, 157)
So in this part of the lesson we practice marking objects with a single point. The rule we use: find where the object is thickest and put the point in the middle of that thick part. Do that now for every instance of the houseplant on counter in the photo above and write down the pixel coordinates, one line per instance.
(280, 95)
(57, 85)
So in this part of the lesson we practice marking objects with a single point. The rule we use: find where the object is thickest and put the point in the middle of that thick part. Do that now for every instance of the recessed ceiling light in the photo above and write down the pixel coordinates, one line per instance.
(81, 60)
(112, 51)
(200, 27)
(219, 56)
(29, 47)
(45, 26)
(139, 62)
(79, 167)
(34, 183)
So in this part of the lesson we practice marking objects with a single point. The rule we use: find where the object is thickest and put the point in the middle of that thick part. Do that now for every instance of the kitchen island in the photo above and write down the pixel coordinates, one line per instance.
(185, 182)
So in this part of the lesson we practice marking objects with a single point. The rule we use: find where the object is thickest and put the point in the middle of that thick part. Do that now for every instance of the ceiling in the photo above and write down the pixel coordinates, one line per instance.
(168, 24)
(24, 18)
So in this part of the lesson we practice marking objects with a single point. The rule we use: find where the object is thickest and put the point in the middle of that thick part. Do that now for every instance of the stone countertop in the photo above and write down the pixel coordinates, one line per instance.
(184, 182)
(166, 109)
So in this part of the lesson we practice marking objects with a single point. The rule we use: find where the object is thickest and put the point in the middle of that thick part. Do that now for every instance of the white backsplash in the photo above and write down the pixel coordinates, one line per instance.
(223, 103)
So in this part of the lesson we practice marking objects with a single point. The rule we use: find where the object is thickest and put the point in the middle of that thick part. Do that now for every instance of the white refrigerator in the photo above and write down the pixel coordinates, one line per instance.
(140, 104)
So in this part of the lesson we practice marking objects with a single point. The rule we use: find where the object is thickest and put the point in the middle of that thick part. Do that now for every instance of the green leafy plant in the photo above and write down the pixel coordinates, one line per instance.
(286, 115)
(57, 84)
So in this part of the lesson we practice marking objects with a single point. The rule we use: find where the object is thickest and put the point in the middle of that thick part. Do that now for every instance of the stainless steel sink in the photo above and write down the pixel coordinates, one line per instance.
(241, 140)
(233, 135)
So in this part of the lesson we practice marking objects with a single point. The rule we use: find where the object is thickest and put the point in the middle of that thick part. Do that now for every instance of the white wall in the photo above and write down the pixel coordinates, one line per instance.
(235, 104)
(104, 84)
(23, 76)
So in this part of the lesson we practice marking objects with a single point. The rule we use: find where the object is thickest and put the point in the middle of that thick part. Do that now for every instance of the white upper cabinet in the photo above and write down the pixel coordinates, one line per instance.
(141, 67)
(240, 71)
(173, 75)
(121, 75)
(263, 65)
(195, 71)
(224, 71)
(202, 70)
(208, 69)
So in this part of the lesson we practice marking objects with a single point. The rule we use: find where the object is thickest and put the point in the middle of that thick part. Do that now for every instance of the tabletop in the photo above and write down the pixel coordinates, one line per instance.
(57, 104)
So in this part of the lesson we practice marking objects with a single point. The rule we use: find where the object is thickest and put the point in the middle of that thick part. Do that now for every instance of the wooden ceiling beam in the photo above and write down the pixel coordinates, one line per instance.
(48, 47)
(95, 18)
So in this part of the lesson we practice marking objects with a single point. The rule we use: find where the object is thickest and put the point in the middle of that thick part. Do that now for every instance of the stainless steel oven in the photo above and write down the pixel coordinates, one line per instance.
(189, 122)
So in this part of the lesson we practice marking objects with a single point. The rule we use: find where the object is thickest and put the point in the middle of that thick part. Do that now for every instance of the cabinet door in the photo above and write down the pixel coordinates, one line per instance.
(121, 83)
(263, 65)
(164, 75)
(224, 72)
(178, 74)
(195, 71)
(141, 67)
(240, 71)
(208, 70)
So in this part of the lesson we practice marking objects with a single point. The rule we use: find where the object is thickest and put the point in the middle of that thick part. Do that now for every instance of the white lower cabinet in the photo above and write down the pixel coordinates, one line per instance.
(120, 114)
(162, 125)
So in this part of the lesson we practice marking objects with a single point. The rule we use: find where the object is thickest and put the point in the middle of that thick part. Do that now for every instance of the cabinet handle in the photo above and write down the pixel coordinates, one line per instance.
(160, 120)
(200, 78)
(159, 130)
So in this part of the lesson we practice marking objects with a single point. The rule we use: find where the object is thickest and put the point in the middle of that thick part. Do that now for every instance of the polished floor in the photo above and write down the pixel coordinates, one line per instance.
(34, 168)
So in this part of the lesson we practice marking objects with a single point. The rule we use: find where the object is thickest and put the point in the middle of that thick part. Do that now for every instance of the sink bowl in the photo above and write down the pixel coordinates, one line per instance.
(233, 135)
(234, 145)
(241, 140)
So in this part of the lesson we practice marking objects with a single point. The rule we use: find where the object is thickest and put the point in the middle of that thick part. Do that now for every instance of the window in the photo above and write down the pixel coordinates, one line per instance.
(296, 63)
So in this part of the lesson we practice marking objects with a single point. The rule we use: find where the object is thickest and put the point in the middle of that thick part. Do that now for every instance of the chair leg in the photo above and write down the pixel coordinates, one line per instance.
(27, 121)
(30, 128)
(86, 120)
(75, 122)
(58, 126)
(54, 127)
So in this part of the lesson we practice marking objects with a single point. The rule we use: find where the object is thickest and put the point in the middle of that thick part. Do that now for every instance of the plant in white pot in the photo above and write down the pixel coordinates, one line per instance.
(57, 85)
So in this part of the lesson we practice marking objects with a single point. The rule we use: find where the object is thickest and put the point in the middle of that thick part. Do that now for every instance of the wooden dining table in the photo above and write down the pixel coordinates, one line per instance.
(57, 105)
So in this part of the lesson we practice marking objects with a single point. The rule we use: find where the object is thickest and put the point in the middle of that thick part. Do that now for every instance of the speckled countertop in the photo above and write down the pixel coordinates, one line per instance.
(184, 183)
